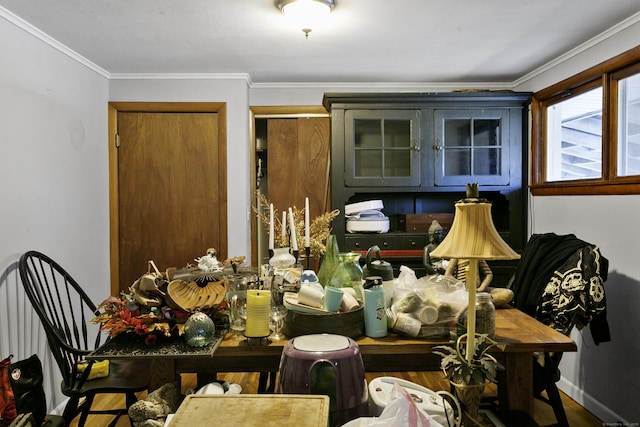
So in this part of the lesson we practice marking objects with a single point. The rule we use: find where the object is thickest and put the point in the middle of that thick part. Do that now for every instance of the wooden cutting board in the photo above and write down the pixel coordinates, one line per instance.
(253, 410)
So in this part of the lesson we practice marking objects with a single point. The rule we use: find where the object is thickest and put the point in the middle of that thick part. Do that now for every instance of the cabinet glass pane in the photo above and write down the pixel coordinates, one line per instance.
(368, 133)
(368, 163)
(486, 132)
(472, 147)
(457, 161)
(397, 133)
(486, 161)
(457, 133)
(397, 163)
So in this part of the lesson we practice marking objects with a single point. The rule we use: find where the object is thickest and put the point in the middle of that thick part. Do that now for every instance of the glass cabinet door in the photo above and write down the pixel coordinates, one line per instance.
(382, 148)
(471, 146)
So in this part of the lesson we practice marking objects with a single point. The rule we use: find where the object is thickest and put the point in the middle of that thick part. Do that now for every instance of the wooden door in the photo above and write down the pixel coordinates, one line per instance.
(171, 191)
(298, 164)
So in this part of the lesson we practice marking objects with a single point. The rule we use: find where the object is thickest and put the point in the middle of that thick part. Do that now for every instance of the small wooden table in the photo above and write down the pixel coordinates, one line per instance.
(523, 335)
(253, 410)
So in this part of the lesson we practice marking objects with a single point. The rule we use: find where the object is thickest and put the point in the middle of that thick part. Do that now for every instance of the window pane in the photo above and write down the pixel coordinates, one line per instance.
(368, 163)
(486, 132)
(486, 161)
(457, 133)
(629, 126)
(397, 163)
(574, 137)
(368, 133)
(397, 133)
(457, 162)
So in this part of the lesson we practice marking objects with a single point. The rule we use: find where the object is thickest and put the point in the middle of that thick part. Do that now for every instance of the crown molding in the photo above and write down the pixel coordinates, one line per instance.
(30, 29)
(182, 76)
(618, 28)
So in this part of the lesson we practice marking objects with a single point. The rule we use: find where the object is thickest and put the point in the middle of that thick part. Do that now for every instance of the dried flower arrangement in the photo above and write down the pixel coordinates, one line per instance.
(319, 227)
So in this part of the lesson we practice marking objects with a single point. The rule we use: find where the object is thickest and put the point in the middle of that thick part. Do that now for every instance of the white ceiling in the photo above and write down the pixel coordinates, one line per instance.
(383, 41)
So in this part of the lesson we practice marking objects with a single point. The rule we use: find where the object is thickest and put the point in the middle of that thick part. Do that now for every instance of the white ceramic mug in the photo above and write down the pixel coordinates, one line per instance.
(311, 295)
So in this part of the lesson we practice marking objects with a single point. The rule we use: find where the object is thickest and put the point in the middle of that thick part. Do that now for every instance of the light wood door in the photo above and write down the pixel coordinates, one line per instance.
(171, 200)
(298, 164)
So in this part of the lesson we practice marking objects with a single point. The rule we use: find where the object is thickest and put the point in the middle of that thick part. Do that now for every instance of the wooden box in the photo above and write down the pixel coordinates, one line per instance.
(252, 410)
(420, 223)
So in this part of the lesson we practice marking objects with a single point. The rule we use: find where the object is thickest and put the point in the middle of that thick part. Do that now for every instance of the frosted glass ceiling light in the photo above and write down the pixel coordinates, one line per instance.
(305, 13)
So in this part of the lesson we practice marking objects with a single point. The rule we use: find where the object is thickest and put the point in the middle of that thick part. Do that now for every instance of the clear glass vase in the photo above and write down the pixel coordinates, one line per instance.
(348, 274)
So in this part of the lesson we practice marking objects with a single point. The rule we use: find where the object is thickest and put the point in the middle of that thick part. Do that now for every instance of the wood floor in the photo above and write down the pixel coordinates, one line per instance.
(577, 415)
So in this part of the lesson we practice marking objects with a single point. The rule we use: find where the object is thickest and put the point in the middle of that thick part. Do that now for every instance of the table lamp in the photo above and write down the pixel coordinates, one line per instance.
(473, 236)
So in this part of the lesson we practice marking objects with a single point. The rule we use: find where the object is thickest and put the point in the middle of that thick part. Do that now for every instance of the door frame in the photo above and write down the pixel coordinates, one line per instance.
(160, 107)
(271, 112)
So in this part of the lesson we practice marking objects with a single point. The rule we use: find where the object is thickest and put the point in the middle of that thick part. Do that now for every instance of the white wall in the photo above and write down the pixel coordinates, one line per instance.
(53, 172)
(603, 378)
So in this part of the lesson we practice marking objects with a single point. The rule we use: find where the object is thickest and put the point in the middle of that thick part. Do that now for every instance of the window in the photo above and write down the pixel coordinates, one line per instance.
(586, 131)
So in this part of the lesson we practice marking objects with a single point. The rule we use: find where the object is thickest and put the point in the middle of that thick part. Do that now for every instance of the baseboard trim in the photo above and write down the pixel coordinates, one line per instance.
(589, 403)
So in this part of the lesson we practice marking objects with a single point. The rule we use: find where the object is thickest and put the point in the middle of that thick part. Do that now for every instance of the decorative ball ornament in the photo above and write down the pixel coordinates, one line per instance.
(199, 330)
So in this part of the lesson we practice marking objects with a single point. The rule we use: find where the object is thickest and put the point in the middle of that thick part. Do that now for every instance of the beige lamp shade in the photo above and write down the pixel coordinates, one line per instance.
(473, 236)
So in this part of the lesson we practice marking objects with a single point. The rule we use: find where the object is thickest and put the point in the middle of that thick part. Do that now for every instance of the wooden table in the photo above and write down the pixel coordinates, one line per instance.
(523, 335)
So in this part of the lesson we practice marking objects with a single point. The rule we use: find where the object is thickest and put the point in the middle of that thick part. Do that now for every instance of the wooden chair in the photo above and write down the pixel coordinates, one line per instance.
(66, 311)
(545, 288)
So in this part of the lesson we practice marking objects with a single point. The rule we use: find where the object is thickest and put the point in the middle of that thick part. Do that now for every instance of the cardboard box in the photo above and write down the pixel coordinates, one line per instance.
(420, 223)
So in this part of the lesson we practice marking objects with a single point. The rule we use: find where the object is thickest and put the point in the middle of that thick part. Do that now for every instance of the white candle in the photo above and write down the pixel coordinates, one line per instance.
(271, 226)
(307, 241)
(292, 226)
(284, 228)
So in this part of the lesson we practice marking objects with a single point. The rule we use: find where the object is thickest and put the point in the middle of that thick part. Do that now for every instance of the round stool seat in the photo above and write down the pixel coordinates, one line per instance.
(330, 365)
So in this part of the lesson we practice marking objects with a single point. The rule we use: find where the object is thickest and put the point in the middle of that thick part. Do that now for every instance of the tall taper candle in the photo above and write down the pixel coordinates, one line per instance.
(292, 225)
(307, 240)
(284, 229)
(271, 238)
(258, 311)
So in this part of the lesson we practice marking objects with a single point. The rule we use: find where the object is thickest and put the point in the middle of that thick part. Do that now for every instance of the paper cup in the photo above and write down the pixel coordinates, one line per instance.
(332, 298)
(349, 302)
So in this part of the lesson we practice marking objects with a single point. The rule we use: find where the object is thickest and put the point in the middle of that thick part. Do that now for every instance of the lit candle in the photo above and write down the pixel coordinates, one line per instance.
(271, 226)
(258, 311)
(307, 241)
(284, 228)
(294, 240)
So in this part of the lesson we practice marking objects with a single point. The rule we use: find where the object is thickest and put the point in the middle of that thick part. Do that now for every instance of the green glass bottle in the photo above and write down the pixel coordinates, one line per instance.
(330, 261)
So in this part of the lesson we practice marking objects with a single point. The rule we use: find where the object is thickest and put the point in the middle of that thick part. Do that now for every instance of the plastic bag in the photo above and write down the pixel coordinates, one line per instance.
(401, 412)
(435, 299)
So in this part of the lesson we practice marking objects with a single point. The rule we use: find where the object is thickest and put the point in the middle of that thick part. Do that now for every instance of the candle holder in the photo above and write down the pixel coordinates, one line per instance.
(255, 341)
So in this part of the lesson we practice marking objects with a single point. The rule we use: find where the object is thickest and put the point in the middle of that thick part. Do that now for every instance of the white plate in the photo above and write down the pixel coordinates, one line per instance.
(290, 300)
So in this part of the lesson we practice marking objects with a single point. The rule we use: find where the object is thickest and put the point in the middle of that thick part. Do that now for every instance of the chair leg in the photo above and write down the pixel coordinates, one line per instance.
(86, 408)
(130, 399)
(70, 410)
(556, 404)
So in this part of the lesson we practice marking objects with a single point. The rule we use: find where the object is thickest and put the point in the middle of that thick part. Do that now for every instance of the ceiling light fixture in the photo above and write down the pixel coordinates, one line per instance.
(305, 13)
